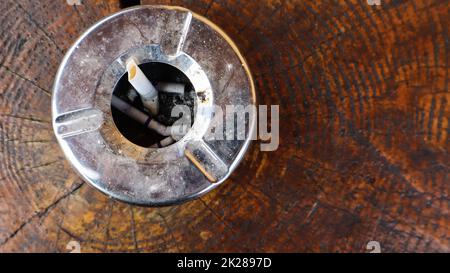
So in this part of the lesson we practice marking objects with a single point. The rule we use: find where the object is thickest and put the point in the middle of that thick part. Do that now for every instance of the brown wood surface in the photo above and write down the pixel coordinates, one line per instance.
(364, 150)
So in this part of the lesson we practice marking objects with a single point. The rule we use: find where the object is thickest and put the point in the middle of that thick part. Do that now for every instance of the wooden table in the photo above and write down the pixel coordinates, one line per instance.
(364, 148)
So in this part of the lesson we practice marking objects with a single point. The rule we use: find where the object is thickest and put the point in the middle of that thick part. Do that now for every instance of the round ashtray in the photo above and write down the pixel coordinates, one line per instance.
(120, 154)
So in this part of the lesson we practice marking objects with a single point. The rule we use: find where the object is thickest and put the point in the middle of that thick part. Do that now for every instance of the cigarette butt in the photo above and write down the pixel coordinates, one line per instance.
(148, 93)
(170, 87)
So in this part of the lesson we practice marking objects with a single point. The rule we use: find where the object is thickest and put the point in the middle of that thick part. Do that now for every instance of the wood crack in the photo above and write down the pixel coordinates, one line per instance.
(26, 79)
(30, 17)
(41, 213)
(170, 230)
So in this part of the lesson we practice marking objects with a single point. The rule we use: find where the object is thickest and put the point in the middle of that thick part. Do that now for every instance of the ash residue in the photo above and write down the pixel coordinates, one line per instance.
(167, 101)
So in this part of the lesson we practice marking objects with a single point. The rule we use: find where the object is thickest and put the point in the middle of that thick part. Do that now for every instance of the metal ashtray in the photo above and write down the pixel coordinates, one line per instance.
(125, 159)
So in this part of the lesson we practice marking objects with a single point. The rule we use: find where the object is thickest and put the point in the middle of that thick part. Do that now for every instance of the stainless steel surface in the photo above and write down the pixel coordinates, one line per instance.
(81, 105)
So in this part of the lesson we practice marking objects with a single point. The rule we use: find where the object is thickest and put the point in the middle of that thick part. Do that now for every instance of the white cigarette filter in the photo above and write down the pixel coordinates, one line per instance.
(163, 143)
(146, 90)
(171, 87)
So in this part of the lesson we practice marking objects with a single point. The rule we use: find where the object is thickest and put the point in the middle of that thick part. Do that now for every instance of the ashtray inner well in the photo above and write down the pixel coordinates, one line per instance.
(159, 74)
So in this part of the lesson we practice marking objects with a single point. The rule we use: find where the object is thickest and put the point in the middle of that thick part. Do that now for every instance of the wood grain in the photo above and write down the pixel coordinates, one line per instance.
(364, 148)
